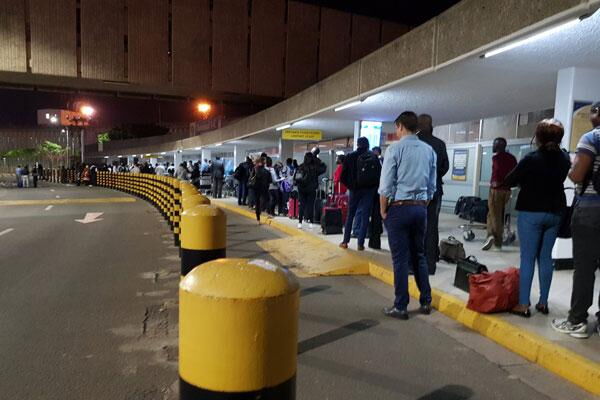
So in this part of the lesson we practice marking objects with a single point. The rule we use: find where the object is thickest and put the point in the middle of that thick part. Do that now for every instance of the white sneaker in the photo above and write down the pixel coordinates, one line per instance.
(488, 243)
(300, 226)
(578, 331)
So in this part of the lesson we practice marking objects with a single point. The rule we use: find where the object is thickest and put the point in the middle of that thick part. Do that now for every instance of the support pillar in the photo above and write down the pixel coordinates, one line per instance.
(286, 149)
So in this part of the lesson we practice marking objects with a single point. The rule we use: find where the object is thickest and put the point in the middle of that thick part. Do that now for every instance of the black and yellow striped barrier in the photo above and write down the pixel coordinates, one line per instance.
(204, 236)
(238, 331)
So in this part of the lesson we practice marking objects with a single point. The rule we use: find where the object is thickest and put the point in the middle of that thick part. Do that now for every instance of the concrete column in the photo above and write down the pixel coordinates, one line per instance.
(356, 134)
(206, 155)
(177, 158)
(286, 149)
(239, 154)
(574, 85)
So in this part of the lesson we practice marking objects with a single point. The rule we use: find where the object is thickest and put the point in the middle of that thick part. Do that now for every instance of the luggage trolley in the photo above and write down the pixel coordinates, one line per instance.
(465, 207)
(508, 237)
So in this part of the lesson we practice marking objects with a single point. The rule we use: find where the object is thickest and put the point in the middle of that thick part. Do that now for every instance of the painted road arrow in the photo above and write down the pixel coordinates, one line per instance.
(90, 217)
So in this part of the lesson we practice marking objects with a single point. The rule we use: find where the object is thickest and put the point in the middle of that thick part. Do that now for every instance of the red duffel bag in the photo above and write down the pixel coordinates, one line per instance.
(494, 292)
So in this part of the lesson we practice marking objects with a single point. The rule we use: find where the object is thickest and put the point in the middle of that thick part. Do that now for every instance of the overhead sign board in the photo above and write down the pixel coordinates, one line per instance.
(302, 134)
(372, 131)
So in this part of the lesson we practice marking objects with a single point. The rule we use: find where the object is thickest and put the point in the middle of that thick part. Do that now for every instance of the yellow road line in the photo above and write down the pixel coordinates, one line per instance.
(565, 363)
(67, 201)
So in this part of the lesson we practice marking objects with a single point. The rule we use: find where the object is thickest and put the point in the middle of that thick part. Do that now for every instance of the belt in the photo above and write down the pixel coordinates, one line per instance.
(408, 203)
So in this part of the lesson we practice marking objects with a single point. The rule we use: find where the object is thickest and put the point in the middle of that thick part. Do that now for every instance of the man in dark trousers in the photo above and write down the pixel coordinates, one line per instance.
(218, 175)
(432, 236)
(360, 174)
(502, 163)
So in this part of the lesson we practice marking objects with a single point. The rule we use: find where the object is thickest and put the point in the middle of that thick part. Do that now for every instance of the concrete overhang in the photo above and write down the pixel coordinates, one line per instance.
(436, 68)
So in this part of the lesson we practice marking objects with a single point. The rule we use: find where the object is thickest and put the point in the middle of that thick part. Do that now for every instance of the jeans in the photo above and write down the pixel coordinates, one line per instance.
(360, 200)
(306, 205)
(537, 233)
(586, 258)
(495, 220)
(273, 201)
(261, 199)
(242, 192)
(406, 227)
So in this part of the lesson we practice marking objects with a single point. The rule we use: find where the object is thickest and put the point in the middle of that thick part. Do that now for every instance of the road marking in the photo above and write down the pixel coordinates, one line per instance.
(90, 217)
(4, 232)
(57, 196)
(67, 201)
(48, 208)
(52, 190)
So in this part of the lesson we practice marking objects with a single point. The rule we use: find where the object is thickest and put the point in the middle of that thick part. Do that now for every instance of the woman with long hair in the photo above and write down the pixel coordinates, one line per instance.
(541, 203)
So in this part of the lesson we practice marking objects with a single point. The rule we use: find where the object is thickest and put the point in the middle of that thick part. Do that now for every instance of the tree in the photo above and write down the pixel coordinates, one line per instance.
(52, 151)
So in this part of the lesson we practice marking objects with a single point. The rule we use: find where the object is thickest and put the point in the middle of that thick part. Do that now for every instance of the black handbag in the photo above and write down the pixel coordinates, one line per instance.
(464, 268)
(564, 229)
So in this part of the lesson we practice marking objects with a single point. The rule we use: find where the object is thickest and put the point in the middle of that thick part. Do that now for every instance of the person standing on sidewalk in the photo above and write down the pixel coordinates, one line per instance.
(502, 163)
(541, 203)
(218, 176)
(585, 227)
(360, 174)
(432, 237)
(408, 183)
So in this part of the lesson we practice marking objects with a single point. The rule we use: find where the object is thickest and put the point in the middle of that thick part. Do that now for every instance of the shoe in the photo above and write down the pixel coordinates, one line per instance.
(300, 226)
(563, 325)
(488, 243)
(360, 248)
(425, 309)
(375, 247)
(521, 311)
(343, 245)
(395, 313)
(543, 308)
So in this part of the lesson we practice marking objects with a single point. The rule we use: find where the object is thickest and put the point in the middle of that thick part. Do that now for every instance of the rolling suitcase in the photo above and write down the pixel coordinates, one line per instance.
(331, 221)
(293, 208)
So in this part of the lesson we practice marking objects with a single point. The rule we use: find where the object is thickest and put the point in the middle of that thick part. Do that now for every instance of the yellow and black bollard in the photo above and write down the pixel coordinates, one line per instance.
(238, 331)
(203, 237)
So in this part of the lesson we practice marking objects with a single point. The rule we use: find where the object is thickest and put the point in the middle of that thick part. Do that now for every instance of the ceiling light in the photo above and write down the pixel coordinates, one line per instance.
(282, 127)
(148, 155)
(218, 144)
(119, 156)
(197, 148)
(348, 105)
(162, 153)
(532, 38)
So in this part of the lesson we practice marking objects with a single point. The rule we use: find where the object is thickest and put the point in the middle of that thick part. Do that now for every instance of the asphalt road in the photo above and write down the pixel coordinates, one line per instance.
(89, 311)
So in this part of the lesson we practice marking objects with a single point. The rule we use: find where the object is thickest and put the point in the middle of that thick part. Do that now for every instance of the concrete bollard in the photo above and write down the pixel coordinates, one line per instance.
(188, 202)
(238, 331)
(204, 236)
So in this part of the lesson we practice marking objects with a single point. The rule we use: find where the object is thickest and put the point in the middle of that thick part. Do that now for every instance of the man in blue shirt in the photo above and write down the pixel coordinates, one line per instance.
(585, 228)
(408, 183)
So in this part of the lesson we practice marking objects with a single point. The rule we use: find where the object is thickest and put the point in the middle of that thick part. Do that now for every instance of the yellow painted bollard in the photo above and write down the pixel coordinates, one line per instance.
(238, 331)
(203, 237)
(188, 202)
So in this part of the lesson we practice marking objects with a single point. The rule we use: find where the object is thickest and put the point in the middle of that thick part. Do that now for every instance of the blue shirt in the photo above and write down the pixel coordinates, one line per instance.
(409, 170)
(590, 144)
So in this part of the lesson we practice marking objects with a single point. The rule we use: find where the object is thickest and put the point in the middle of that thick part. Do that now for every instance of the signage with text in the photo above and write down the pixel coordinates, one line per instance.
(302, 134)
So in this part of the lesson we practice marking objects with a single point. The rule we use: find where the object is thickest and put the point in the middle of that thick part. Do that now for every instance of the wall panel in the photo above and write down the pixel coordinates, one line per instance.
(230, 46)
(191, 44)
(13, 56)
(392, 30)
(102, 32)
(267, 47)
(301, 47)
(365, 36)
(334, 47)
(53, 37)
(148, 38)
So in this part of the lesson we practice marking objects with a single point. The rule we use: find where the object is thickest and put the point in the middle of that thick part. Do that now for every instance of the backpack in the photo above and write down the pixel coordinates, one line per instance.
(240, 173)
(368, 170)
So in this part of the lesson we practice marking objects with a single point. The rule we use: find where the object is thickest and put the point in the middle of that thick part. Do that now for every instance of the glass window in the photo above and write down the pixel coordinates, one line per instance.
(442, 132)
(528, 122)
(464, 132)
(504, 126)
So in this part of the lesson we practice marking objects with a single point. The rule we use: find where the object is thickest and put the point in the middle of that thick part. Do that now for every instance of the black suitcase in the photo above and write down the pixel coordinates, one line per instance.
(464, 204)
(331, 221)
(479, 212)
(464, 268)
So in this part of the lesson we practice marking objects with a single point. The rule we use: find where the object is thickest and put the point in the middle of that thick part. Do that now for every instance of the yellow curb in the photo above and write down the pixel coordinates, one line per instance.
(565, 363)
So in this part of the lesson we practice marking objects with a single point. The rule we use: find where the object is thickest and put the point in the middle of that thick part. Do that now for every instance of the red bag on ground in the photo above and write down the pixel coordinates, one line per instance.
(494, 292)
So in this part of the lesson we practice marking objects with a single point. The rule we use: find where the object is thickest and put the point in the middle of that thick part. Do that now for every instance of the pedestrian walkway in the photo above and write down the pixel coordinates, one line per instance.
(588, 350)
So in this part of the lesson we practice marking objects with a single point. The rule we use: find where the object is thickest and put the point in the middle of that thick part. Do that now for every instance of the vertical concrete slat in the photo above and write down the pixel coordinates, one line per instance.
(267, 43)
(13, 55)
(53, 37)
(148, 38)
(334, 46)
(102, 31)
(301, 47)
(191, 44)
(230, 46)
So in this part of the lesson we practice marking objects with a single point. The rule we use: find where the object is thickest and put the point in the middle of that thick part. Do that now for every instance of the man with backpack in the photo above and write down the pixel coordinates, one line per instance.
(585, 228)
(360, 174)
(242, 174)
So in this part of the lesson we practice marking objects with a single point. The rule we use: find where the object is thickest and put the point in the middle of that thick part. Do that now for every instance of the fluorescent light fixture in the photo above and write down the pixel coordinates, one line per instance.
(197, 148)
(135, 155)
(282, 127)
(105, 156)
(348, 105)
(119, 156)
(339, 153)
(162, 153)
(148, 155)
(218, 144)
(532, 38)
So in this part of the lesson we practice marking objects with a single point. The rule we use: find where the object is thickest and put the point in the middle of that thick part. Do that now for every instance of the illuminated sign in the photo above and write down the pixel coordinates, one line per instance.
(372, 131)
(301, 134)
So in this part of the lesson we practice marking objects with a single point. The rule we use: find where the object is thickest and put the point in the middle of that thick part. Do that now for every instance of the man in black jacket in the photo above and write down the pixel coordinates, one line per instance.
(360, 174)
(432, 239)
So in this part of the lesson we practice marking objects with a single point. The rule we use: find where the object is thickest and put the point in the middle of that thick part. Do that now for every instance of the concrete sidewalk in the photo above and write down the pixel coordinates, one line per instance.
(444, 278)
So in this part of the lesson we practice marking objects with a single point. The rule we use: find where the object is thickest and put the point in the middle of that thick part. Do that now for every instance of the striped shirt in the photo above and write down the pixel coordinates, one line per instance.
(590, 145)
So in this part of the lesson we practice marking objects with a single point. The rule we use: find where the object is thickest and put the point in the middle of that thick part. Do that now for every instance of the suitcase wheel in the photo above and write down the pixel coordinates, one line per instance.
(468, 235)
